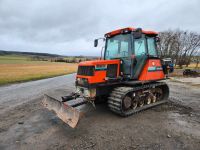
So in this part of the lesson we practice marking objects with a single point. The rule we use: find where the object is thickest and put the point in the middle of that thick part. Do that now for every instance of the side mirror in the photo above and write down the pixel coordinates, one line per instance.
(95, 42)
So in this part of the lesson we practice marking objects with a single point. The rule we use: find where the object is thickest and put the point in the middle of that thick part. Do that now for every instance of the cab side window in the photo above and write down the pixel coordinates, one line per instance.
(124, 49)
(139, 45)
(151, 47)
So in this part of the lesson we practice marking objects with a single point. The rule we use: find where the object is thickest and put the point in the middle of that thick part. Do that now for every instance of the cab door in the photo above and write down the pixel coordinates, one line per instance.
(140, 52)
(125, 53)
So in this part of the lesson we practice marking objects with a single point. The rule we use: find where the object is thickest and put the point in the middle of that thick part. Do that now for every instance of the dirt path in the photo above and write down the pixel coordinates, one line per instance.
(170, 126)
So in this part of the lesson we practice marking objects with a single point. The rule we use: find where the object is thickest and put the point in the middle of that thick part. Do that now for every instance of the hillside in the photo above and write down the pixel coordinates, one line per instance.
(3, 52)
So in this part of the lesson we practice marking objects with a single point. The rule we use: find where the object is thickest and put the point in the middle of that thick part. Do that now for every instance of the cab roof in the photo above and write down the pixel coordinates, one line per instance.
(119, 31)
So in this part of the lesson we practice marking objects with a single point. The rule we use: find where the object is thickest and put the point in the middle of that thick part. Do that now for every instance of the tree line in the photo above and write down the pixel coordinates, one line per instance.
(72, 59)
(181, 46)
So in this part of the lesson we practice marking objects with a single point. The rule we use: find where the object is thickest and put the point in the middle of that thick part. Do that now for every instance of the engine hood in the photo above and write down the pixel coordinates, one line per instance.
(99, 62)
(96, 71)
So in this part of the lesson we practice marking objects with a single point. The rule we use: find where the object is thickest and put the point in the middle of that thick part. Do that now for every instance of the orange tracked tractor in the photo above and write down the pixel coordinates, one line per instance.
(128, 77)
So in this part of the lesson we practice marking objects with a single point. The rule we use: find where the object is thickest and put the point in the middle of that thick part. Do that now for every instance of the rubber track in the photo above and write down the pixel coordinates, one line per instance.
(116, 96)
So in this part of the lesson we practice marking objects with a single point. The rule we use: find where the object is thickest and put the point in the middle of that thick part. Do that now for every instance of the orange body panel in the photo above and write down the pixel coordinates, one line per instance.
(99, 62)
(115, 32)
(152, 71)
(99, 75)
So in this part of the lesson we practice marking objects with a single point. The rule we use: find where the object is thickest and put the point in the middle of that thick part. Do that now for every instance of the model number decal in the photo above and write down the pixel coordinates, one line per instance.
(156, 68)
(101, 67)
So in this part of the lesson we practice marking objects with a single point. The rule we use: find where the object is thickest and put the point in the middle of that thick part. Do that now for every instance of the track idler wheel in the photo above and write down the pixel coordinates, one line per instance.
(127, 103)
(134, 104)
(148, 100)
(158, 94)
(141, 103)
(153, 100)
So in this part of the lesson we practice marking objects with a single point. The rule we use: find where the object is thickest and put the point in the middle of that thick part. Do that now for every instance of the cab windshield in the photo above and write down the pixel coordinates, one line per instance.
(118, 46)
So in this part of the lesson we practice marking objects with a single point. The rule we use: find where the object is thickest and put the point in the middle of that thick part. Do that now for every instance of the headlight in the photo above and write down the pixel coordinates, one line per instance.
(86, 92)
(82, 81)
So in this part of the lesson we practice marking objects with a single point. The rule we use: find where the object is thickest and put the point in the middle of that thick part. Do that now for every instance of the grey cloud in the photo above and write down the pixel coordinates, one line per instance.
(69, 26)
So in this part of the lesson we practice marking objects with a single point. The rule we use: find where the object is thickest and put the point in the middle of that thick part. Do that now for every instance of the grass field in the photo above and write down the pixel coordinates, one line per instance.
(14, 59)
(19, 68)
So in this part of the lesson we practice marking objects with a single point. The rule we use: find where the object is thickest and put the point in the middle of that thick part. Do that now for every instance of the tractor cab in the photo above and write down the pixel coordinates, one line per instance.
(132, 47)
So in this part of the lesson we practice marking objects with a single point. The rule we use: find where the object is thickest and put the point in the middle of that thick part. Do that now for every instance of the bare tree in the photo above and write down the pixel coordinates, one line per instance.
(179, 45)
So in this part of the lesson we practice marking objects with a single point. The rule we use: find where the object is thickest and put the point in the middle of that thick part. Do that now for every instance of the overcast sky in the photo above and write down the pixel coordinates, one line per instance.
(69, 27)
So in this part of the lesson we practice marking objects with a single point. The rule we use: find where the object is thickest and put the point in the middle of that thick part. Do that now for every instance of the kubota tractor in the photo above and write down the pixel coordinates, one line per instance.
(128, 77)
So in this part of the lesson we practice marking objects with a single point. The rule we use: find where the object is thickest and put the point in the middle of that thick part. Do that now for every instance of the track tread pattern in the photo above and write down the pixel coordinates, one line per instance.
(116, 96)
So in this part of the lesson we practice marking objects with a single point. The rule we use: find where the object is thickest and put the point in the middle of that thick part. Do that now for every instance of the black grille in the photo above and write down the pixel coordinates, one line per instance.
(111, 71)
(86, 70)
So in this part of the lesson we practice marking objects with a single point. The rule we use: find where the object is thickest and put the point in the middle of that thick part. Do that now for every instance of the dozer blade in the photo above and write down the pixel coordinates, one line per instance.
(65, 112)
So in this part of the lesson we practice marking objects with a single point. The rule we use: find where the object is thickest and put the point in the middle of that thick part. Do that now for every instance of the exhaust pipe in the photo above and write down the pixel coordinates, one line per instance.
(67, 113)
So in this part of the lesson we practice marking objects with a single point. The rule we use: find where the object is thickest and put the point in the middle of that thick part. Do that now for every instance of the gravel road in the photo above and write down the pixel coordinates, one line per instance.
(16, 94)
(25, 124)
